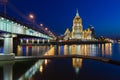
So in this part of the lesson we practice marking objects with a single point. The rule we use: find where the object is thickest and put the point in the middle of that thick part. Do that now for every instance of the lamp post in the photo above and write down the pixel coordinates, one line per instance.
(5, 1)
(41, 25)
(31, 16)
(32, 19)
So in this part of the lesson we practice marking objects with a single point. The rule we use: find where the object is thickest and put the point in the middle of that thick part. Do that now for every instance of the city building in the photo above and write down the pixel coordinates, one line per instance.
(77, 30)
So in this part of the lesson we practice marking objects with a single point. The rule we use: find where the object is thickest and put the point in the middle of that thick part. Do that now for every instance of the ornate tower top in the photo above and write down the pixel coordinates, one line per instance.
(77, 13)
(77, 18)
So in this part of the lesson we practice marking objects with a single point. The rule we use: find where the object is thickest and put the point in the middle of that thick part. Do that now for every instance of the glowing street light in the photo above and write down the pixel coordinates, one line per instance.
(46, 29)
(31, 16)
(41, 24)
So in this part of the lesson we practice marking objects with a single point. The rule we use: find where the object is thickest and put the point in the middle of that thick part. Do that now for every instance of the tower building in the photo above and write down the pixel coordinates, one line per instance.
(77, 30)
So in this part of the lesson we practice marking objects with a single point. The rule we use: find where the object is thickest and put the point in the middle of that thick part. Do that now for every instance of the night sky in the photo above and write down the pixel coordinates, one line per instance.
(58, 15)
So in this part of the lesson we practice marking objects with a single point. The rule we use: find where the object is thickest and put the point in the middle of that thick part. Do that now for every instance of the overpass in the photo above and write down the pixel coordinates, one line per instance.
(10, 28)
(13, 26)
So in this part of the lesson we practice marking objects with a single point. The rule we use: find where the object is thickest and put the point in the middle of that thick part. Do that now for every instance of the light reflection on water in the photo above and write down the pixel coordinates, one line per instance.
(77, 64)
(107, 50)
(38, 66)
(101, 50)
(84, 49)
(1, 49)
(32, 50)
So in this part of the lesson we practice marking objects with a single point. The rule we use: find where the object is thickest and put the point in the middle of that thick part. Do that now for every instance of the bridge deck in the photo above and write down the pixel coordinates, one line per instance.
(11, 25)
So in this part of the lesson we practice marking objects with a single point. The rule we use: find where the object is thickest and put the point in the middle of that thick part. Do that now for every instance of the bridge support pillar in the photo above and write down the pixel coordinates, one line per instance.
(27, 41)
(21, 41)
(8, 55)
(38, 41)
(48, 41)
(33, 41)
(8, 43)
(43, 41)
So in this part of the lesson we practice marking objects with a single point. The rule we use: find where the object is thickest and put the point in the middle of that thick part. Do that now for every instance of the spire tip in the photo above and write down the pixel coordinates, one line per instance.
(77, 13)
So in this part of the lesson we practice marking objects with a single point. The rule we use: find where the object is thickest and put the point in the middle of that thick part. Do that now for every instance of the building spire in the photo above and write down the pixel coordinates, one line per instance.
(77, 13)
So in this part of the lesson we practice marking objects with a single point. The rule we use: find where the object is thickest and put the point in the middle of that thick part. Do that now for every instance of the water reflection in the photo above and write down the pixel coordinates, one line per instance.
(101, 50)
(104, 50)
(31, 50)
(78, 49)
(38, 66)
(30, 72)
(1, 50)
(41, 68)
(77, 64)
(108, 49)
(87, 50)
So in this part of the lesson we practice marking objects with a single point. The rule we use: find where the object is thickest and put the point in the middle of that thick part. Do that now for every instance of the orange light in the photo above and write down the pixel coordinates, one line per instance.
(46, 28)
(31, 16)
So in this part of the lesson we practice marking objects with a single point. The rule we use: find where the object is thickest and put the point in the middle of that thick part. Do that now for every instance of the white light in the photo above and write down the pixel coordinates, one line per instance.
(41, 24)
(2, 18)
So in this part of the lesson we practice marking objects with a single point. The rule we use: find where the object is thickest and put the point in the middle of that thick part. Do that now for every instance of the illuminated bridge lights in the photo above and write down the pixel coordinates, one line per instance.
(14, 27)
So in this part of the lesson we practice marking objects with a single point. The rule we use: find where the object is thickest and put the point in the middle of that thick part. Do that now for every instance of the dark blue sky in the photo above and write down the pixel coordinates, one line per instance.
(58, 15)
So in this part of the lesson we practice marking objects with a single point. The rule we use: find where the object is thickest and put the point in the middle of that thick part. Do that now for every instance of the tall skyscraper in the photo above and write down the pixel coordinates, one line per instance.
(77, 30)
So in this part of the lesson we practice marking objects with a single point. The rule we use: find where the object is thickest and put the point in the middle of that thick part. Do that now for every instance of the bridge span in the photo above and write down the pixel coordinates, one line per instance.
(10, 28)
(13, 26)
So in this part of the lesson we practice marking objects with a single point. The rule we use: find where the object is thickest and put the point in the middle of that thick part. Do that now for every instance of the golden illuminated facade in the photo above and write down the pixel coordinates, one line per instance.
(77, 30)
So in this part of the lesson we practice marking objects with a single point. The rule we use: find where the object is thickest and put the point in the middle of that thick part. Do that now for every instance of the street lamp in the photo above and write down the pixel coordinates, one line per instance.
(31, 16)
(5, 1)
(41, 24)
(46, 29)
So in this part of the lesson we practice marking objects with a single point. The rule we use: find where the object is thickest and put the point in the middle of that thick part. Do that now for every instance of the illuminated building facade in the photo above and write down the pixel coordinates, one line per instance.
(77, 30)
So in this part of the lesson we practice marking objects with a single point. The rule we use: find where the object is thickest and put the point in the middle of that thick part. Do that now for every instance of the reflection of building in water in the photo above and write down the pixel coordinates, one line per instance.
(80, 49)
(77, 64)
(67, 49)
(74, 47)
(106, 49)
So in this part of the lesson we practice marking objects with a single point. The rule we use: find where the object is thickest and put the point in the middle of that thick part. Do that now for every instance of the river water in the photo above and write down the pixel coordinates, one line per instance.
(67, 68)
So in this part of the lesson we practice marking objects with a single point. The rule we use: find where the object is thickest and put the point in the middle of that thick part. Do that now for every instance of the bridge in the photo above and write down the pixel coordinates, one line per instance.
(11, 28)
